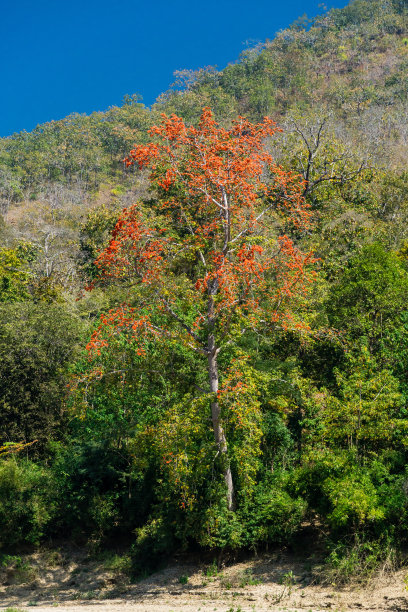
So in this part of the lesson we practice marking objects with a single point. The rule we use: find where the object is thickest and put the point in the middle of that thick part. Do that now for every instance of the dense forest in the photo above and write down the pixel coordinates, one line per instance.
(204, 312)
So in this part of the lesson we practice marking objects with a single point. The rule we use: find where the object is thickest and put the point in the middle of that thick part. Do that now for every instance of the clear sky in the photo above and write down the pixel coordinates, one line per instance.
(63, 56)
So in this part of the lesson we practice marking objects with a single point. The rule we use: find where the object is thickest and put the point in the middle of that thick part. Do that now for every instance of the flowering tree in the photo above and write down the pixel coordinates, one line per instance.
(208, 256)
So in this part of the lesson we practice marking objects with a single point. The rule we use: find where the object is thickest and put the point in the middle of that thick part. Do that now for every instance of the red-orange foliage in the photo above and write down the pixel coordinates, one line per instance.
(217, 207)
(211, 245)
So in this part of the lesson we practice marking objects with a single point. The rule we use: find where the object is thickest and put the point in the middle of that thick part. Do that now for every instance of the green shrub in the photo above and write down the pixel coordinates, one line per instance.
(118, 564)
(273, 516)
(96, 493)
(220, 527)
(306, 481)
(353, 500)
(155, 542)
(352, 495)
(358, 560)
(392, 489)
(24, 505)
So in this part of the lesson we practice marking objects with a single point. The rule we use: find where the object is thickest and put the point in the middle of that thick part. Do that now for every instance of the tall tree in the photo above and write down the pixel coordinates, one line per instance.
(208, 258)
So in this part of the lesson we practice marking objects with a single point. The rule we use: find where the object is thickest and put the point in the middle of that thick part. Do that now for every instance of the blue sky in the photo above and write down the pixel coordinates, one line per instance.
(58, 57)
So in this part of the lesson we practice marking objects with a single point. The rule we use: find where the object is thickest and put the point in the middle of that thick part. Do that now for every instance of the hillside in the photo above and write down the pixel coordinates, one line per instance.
(113, 433)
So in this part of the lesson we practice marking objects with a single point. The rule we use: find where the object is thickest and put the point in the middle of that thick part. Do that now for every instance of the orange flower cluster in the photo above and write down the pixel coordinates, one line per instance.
(120, 321)
(135, 249)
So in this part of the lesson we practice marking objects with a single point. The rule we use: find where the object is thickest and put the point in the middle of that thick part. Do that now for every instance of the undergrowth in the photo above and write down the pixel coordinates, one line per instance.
(358, 561)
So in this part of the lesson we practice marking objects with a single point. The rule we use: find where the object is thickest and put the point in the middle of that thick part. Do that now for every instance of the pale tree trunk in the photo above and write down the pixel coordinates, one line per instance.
(219, 434)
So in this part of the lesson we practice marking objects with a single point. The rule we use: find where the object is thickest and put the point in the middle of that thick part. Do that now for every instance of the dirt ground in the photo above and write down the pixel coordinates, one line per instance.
(278, 581)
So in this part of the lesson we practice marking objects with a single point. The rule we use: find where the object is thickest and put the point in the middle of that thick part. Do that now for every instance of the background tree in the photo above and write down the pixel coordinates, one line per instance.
(36, 346)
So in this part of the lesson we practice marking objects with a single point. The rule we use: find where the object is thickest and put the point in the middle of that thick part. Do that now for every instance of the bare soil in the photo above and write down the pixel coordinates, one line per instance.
(73, 581)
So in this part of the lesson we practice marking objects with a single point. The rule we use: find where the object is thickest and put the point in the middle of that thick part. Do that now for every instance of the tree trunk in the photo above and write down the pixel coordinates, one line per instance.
(219, 434)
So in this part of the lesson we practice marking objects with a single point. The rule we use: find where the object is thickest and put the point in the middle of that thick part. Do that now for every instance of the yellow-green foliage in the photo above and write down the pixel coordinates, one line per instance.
(367, 410)
(15, 272)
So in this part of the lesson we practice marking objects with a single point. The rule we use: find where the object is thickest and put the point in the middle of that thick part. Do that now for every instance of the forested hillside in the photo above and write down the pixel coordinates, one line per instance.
(291, 293)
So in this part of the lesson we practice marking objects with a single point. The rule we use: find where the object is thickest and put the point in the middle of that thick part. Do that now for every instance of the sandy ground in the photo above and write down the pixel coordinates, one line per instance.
(270, 582)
